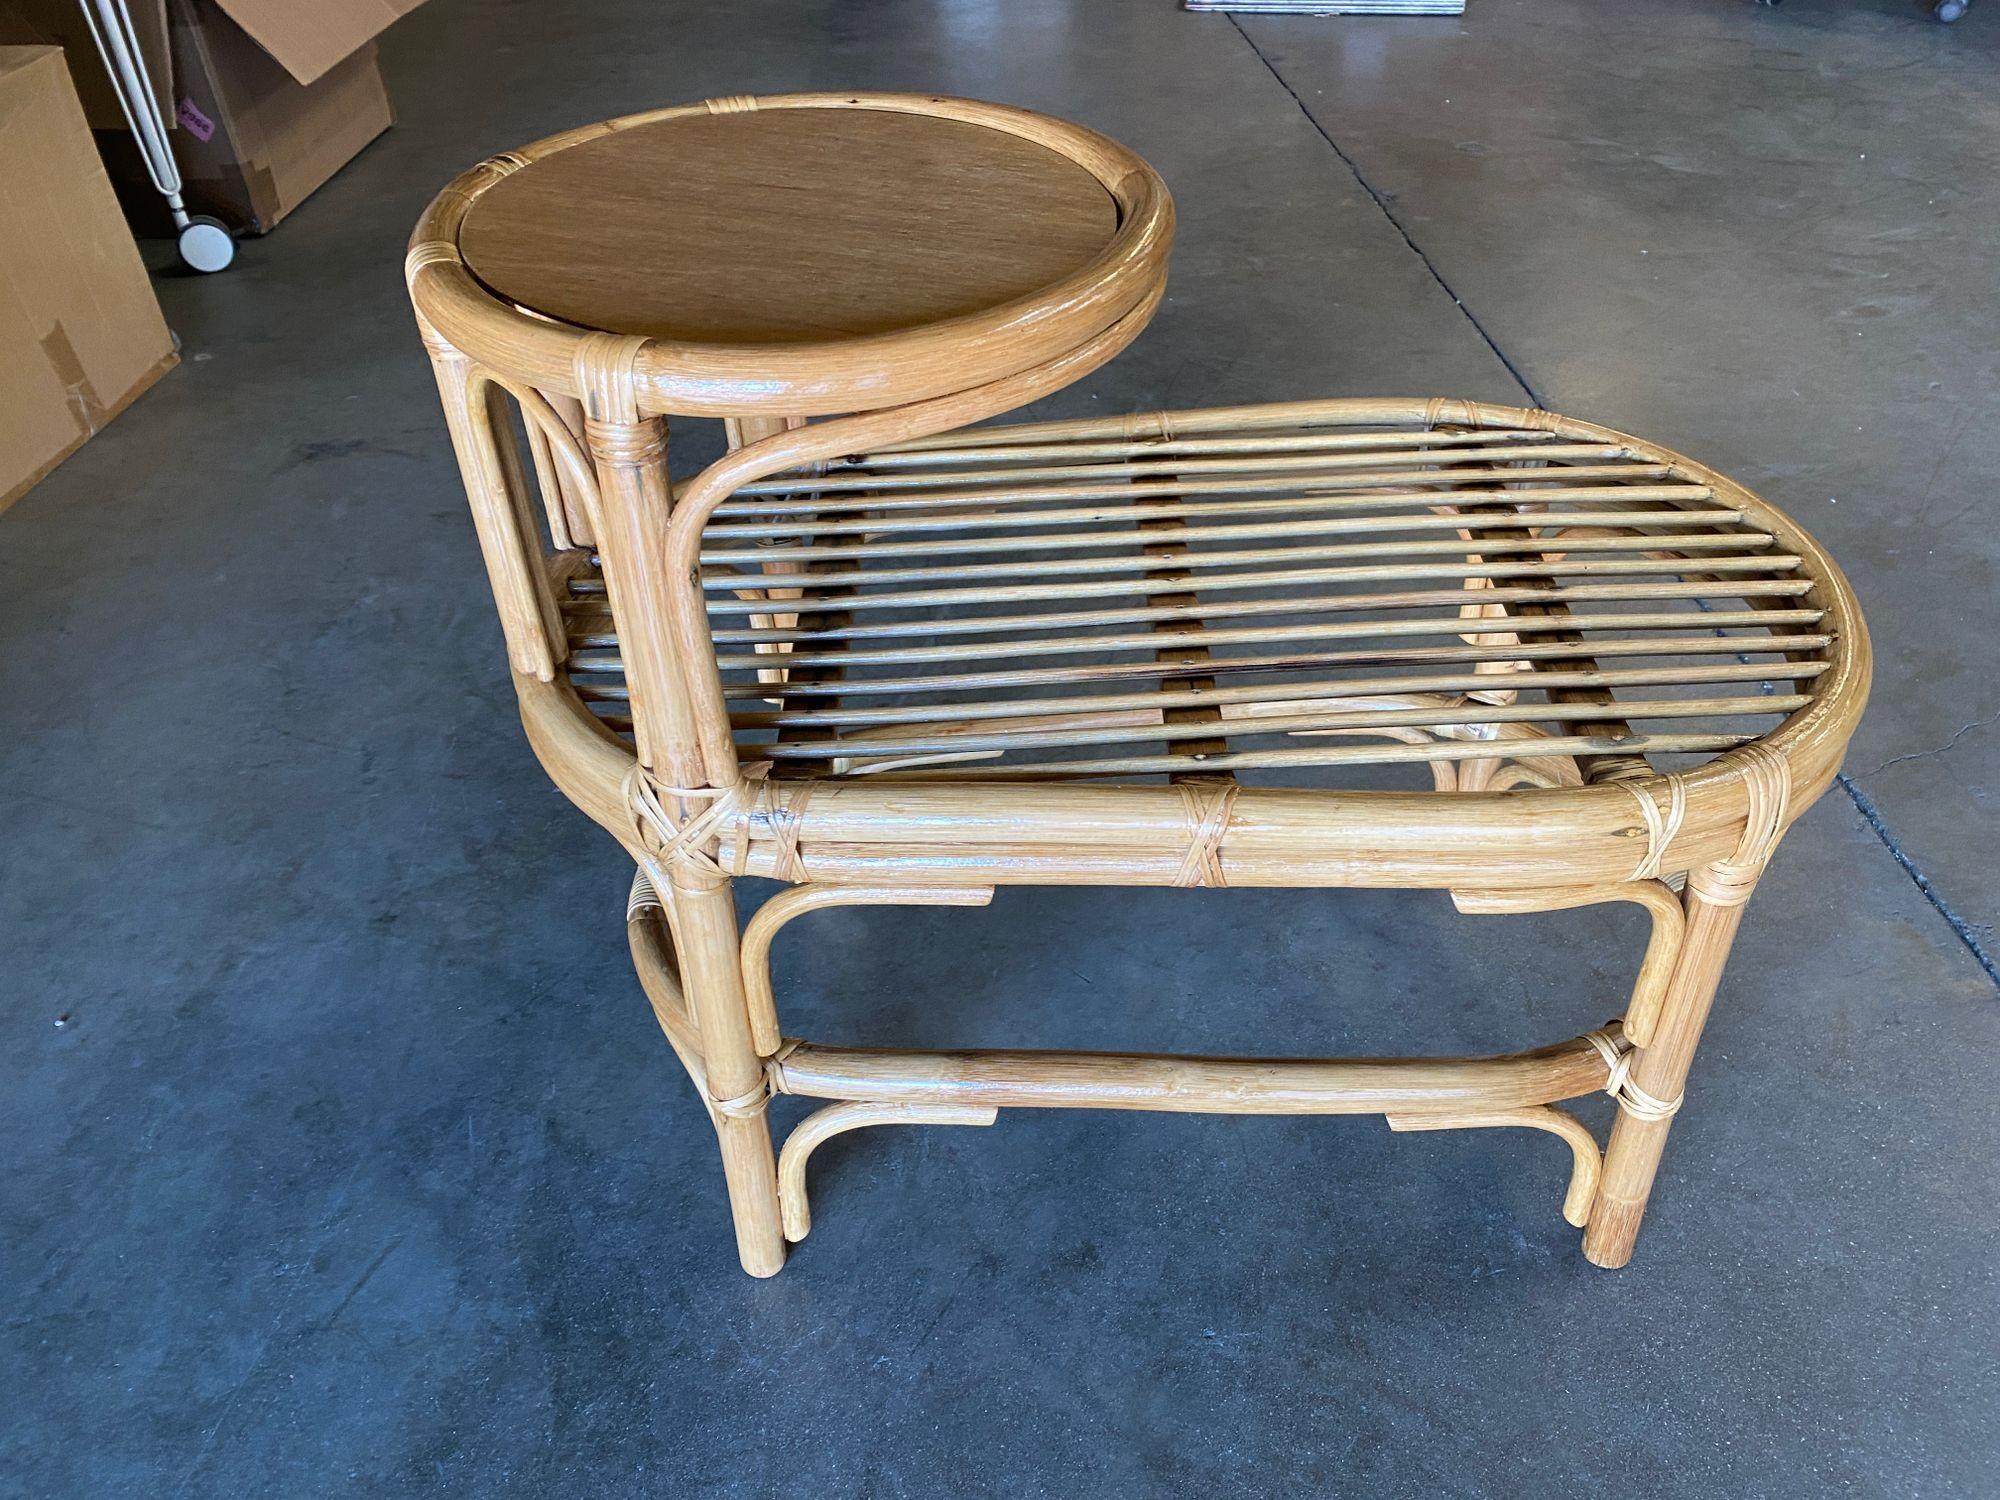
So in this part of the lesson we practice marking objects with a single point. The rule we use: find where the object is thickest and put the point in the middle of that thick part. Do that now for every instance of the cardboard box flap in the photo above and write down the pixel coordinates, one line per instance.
(308, 39)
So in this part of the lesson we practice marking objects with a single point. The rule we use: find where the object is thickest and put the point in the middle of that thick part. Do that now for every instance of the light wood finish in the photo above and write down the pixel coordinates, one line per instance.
(1192, 1085)
(786, 226)
(1585, 1163)
(900, 657)
(816, 376)
(796, 902)
(706, 937)
(1661, 902)
(489, 466)
(823, 1124)
(1633, 1155)
(653, 958)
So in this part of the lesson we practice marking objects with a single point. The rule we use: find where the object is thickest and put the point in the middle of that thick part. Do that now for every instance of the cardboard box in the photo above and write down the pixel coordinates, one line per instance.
(80, 333)
(263, 120)
(264, 99)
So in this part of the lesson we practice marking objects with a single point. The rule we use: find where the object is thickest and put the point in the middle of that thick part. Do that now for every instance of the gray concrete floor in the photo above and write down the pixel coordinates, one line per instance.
(342, 1153)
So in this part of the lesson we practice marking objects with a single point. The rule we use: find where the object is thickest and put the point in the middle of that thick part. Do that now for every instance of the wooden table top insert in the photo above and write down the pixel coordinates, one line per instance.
(786, 226)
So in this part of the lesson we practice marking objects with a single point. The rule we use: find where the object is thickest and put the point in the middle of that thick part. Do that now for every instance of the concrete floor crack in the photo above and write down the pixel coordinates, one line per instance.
(1382, 203)
(1962, 732)
(1967, 933)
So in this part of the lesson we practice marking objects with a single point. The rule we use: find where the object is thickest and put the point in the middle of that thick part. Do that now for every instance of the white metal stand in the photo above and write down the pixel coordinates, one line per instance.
(205, 243)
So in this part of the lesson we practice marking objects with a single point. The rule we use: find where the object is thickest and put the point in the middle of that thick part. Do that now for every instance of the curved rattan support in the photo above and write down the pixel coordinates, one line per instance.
(563, 447)
(800, 447)
(1586, 1161)
(822, 1125)
(1490, 774)
(651, 941)
(970, 1088)
(782, 908)
(1663, 944)
(1435, 1094)
(495, 488)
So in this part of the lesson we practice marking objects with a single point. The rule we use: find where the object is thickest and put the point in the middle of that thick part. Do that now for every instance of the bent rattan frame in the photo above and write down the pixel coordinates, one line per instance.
(625, 601)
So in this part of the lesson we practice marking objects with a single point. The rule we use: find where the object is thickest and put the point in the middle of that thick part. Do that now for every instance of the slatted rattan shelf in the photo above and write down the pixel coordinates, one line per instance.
(1272, 590)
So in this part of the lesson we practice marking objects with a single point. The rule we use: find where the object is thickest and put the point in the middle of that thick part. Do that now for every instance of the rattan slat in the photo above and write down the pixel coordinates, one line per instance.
(1752, 570)
(1005, 510)
(944, 545)
(774, 494)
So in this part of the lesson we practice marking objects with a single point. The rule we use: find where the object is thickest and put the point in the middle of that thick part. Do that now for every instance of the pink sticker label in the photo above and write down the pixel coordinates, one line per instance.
(198, 123)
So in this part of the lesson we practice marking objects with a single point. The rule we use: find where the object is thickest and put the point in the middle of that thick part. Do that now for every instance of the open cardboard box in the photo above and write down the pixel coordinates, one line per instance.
(265, 99)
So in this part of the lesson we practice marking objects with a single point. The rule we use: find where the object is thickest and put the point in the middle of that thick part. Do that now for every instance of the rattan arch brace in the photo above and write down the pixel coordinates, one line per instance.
(892, 658)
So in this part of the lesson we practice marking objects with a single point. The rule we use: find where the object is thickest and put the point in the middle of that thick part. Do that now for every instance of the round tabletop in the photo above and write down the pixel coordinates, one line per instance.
(800, 254)
(786, 226)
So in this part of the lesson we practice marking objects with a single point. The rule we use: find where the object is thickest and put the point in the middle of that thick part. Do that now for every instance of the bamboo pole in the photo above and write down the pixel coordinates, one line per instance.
(705, 917)
(1291, 661)
(1271, 696)
(1633, 1157)
(787, 906)
(720, 577)
(988, 445)
(1717, 573)
(528, 617)
(822, 1125)
(1195, 634)
(1192, 1085)
(1168, 479)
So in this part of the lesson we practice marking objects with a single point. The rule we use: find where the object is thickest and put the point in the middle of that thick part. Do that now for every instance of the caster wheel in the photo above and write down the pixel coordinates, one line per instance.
(1948, 11)
(205, 245)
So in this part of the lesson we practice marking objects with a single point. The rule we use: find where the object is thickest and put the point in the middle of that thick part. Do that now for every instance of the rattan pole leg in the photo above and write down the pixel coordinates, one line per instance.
(528, 617)
(738, 1092)
(1661, 1070)
(741, 431)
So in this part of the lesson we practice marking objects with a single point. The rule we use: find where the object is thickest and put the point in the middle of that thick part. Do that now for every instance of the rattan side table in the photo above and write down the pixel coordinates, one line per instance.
(891, 655)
